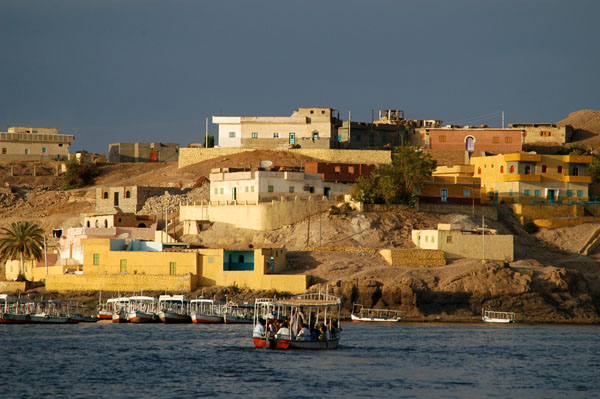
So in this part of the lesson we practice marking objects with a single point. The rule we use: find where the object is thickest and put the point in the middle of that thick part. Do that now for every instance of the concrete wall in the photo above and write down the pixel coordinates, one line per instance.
(544, 133)
(122, 283)
(142, 152)
(190, 156)
(546, 211)
(413, 257)
(457, 244)
(264, 216)
(492, 140)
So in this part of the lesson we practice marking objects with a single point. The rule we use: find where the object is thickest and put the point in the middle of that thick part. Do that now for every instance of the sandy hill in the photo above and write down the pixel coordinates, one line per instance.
(586, 125)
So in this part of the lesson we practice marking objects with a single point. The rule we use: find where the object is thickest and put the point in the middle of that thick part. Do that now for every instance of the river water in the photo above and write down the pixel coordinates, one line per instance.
(403, 360)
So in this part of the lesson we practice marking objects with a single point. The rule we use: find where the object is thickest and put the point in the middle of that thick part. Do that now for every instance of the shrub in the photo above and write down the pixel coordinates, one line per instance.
(530, 228)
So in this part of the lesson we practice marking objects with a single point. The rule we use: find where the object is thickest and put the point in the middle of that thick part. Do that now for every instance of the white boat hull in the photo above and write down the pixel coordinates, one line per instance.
(376, 319)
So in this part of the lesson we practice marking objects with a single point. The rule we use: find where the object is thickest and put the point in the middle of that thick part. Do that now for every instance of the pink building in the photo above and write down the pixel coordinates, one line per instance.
(473, 139)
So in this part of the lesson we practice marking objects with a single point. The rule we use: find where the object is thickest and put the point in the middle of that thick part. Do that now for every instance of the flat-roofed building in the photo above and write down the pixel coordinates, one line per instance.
(544, 133)
(34, 143)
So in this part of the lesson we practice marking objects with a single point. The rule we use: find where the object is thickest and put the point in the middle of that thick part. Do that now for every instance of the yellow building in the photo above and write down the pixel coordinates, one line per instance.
(533, 178)
(115, 265)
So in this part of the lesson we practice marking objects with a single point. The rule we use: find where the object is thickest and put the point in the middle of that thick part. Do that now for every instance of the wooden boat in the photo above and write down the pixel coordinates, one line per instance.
(29, 311)
(205, 311)
(492, 316)
(9, 311)
(359, 313)
(238, 314)
(174, 309)
(319, 309)
(120, 307)
(142, 309)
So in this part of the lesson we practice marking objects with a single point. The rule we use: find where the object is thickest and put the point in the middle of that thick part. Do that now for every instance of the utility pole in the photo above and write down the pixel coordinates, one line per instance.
(502, 119)
(483, 238)
(349, 124)
(45, 255)
(206, 136)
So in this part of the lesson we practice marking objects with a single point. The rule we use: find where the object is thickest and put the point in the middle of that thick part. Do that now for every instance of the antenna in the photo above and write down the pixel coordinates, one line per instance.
(265, 164)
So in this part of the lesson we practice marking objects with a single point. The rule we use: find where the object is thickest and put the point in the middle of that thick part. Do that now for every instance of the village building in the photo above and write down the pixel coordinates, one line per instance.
(128, 199)
(123, 265)
(438, 189)
(468, 139)
(306, 127)
(254, 186)
(338, 171)
(544, 133)
(533, 178)
(143, 152)
(458, 243)
(34, 143)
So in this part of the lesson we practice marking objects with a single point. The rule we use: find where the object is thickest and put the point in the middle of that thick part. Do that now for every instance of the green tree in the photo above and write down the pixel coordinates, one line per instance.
(595, 170)
(24, 239)
(79, 174)
(211, 141)
(396, 183)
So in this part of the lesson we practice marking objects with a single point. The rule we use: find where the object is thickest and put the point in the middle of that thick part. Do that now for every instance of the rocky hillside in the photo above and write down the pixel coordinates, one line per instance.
(586, 125)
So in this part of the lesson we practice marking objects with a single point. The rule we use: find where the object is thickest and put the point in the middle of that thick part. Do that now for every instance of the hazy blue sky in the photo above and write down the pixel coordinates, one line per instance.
(123, 71)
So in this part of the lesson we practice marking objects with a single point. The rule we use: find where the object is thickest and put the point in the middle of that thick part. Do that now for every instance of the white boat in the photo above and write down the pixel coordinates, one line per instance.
(205, 311)
(174, 309)
(492, 316)
(359, 313)
(238, 314)
(317, 309)
(142, 309)
(119, 307)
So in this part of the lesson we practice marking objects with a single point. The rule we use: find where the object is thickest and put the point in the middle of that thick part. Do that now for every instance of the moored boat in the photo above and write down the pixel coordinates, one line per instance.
(142, 309)
(119, 308)
(205, 311)
(492, 316)
(359, 313)
(174, 309)
(297, 314)
(238, 314)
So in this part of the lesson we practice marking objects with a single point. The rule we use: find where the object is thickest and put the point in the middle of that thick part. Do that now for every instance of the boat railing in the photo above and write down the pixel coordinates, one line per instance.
(492, 314)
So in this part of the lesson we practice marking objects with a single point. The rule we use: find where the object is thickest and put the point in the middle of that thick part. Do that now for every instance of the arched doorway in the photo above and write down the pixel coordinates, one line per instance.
(470, 143)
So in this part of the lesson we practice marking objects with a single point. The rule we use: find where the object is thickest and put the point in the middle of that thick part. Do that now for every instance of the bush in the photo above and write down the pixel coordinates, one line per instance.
(79, 174)
(530, 228)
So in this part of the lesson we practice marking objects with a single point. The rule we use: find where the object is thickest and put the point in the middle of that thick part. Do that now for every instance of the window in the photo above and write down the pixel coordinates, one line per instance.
(501, 169)
(3, 150)
(569, 193)
(172, 267)
(559, 169)
(580, 193)
(384, 138)
(26, 150)
(448, 239)
(495, 139)
(508, 140)
(536, 193)
(315, 136)
(544, 168)
(510, 192)
(96, 258)
(466, 192)
(275, 135)
(211, 259)
(442, 139)
(216, 191)
(123, 265)
(339, 137)
(478, 171)
(575, 171)
(270, 189)
(527, 169)
(127, 194)
(351, 169)
(232, 134)
(291, 189)
(358, 137)
(512, 169)
(221, 190)
(246, 188)
(44, 149)
(105, 195)
(338, 169)
(254, 135)
(251, 189)
(526, 192)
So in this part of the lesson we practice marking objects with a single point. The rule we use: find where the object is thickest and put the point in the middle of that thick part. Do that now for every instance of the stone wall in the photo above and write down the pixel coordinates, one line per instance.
(12, 286)
(546, 211)
(121, 282)
(190, 156)
(564, 222)
(414, 257)
(490, 212)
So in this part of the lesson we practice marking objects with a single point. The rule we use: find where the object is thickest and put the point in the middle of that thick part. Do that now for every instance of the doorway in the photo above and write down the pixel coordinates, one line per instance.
(444, 195)
(234, 193)
(292, 138)
(326, 191)
(470, 144)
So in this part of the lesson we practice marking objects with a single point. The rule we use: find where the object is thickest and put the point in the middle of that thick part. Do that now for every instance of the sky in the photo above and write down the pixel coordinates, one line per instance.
(111, 71)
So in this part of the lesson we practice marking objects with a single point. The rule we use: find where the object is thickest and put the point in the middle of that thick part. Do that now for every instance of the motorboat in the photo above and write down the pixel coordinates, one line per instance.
(318, 310)
(142, 309)
(174, 309)
(493, 316)
(238, 314)
(205, 311)
(120, 309)
(359, 313)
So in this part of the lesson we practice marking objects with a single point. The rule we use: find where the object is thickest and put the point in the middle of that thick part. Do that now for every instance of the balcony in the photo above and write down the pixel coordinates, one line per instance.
(518, 177)
(577, 158)
(577, 179)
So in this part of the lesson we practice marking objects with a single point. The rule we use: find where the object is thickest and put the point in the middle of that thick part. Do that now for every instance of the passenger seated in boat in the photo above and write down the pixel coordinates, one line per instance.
(259, 329)
(314, 332)
(284, 332)
(325, 335)
(304, 333)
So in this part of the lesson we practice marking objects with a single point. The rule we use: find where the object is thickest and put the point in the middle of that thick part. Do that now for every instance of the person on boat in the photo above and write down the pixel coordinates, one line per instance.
(284, 332)
(314, 332)
(259, 329)
(325, 335)
(304, 333)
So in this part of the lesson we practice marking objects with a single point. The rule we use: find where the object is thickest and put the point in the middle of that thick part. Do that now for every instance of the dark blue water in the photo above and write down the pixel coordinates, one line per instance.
(375, 361)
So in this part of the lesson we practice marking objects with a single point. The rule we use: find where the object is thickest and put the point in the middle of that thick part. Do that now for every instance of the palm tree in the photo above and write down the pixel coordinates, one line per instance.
(25, 239)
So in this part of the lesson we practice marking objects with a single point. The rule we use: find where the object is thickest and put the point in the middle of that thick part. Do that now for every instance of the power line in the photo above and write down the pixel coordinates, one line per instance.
(478, 118)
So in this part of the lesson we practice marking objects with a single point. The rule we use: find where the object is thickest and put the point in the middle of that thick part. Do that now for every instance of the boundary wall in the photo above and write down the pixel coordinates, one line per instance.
(414, 257)
(190, 156)
(121, 282)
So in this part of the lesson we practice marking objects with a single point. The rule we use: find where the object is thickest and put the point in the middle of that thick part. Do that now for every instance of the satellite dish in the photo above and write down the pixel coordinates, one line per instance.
(123, 236)
(265, 164)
